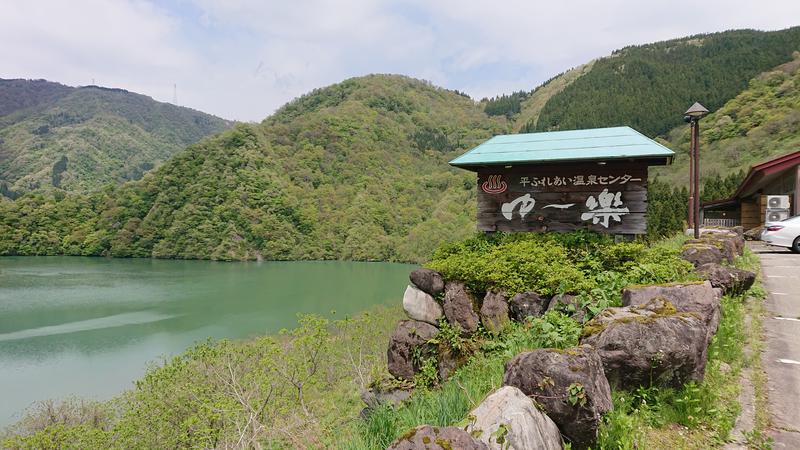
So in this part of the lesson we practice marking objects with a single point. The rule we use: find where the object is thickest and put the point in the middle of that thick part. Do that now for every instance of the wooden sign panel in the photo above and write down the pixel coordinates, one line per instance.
(610, 198)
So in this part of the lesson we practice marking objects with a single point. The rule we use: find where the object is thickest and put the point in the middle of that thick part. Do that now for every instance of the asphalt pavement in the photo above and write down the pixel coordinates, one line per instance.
(781, 357)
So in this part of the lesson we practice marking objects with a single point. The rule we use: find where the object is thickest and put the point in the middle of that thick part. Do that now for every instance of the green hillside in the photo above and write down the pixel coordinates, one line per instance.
(357, 170)
(80, 139)
(649, 86)
(760, 123)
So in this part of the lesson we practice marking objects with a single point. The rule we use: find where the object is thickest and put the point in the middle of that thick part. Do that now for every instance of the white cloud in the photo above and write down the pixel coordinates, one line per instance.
(111, 41)
(242, 59)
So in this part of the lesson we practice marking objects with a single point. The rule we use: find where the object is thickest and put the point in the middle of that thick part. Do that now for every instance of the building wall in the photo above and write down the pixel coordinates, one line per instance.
(751, 213)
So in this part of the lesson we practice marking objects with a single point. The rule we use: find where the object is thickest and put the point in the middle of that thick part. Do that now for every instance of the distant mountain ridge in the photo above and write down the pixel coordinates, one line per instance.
(83, 138)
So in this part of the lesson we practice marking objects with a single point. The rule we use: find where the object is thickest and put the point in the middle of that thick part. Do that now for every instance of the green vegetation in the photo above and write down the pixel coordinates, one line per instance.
(760, 123)
(648, 87)
(354, 171)
(697, 415)
(55, 136)
(450, 403)
(583, 263)
(505, 105)
(532, 106)
(301, 389)
(358, 170)
(296, 390)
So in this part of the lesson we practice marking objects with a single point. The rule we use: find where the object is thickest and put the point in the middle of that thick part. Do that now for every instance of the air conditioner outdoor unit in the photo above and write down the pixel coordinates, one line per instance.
(777, 215)
(778, 202)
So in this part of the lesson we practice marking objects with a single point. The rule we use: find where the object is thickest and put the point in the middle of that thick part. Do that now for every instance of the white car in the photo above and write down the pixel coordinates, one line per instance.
(785, 233)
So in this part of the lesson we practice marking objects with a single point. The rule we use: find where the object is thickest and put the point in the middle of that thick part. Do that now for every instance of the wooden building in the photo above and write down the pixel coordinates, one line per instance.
(749, 206)
(564, 180)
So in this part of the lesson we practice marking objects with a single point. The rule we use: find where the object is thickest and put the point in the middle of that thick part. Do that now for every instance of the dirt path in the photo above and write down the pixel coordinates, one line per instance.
(781, 358)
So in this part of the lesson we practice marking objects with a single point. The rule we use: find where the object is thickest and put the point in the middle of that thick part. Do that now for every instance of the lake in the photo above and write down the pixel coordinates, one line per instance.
(90, 326)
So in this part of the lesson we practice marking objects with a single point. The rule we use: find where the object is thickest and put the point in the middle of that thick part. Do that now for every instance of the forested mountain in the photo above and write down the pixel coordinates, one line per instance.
(760, 123)
(648, 86)
(357, 170)
(53, 135)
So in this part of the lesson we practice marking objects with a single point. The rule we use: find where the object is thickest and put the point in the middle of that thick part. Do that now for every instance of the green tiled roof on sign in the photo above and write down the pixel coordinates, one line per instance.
(560, 146)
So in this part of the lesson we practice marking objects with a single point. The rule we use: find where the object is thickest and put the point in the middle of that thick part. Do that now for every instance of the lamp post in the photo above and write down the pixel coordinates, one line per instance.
(693, 116)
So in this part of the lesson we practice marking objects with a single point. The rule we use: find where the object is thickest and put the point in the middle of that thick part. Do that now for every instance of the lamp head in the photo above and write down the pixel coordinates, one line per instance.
(695, 112)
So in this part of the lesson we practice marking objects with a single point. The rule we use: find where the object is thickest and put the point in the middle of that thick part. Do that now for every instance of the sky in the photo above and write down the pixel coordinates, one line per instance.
(242, 59)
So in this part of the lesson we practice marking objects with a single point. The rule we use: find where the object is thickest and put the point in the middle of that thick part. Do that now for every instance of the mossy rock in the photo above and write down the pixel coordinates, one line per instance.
(437, 438)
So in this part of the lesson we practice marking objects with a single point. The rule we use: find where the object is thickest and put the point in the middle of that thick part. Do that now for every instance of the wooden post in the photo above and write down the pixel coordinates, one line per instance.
(691, 176)
(697, 219)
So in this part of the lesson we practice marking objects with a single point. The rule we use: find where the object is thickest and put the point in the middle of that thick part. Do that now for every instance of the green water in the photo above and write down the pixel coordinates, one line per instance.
(89, 326)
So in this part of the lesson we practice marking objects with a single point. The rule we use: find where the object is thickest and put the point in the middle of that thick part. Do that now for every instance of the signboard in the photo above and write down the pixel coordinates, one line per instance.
(608, 198)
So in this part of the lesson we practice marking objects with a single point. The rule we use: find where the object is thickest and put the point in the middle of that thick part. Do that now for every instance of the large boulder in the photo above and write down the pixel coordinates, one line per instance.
(426, 437)
(459, 307)
(730, 280)
(724, 243)
(698, 298)
(733, 235)
(699, 253)
(409, 335)
(525, 304)
(651, 344)
(548, 375)
(508, 420)
(494, 311)
(729, 244)
(421, 306)
(428, 280)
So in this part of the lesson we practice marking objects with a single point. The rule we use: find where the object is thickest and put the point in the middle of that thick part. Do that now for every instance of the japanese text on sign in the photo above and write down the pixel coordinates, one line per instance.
(577, 180)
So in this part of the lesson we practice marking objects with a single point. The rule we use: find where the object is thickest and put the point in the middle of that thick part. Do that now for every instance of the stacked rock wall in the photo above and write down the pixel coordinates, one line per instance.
(660, 336)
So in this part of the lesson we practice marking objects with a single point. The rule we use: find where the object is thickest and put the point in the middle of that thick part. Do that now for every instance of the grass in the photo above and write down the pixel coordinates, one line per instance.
(451, 402)
(188, 390)
(699, 415)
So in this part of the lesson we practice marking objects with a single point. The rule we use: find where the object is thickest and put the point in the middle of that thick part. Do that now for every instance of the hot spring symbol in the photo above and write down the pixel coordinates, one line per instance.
(494, 184)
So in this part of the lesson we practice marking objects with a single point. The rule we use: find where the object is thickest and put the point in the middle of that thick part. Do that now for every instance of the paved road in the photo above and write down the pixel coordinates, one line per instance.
(781, 358)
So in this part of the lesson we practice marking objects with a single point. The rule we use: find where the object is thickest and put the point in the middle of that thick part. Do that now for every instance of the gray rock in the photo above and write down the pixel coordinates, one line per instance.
(570, 304)
(428, 280)
(374, 398)
(459, 307)
(699, 253)
(546, 375)
(527, 304)
(730, 280)
(446, 365)
(408, 335)
(648, 345)
(426, 437)
(494, 311)
(421, 306)
(699, 298)
(753, 234)
(734, 235)
(526, 427)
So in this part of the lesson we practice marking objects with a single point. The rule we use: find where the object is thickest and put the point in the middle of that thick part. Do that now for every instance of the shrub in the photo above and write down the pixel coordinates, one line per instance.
(512, 263)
